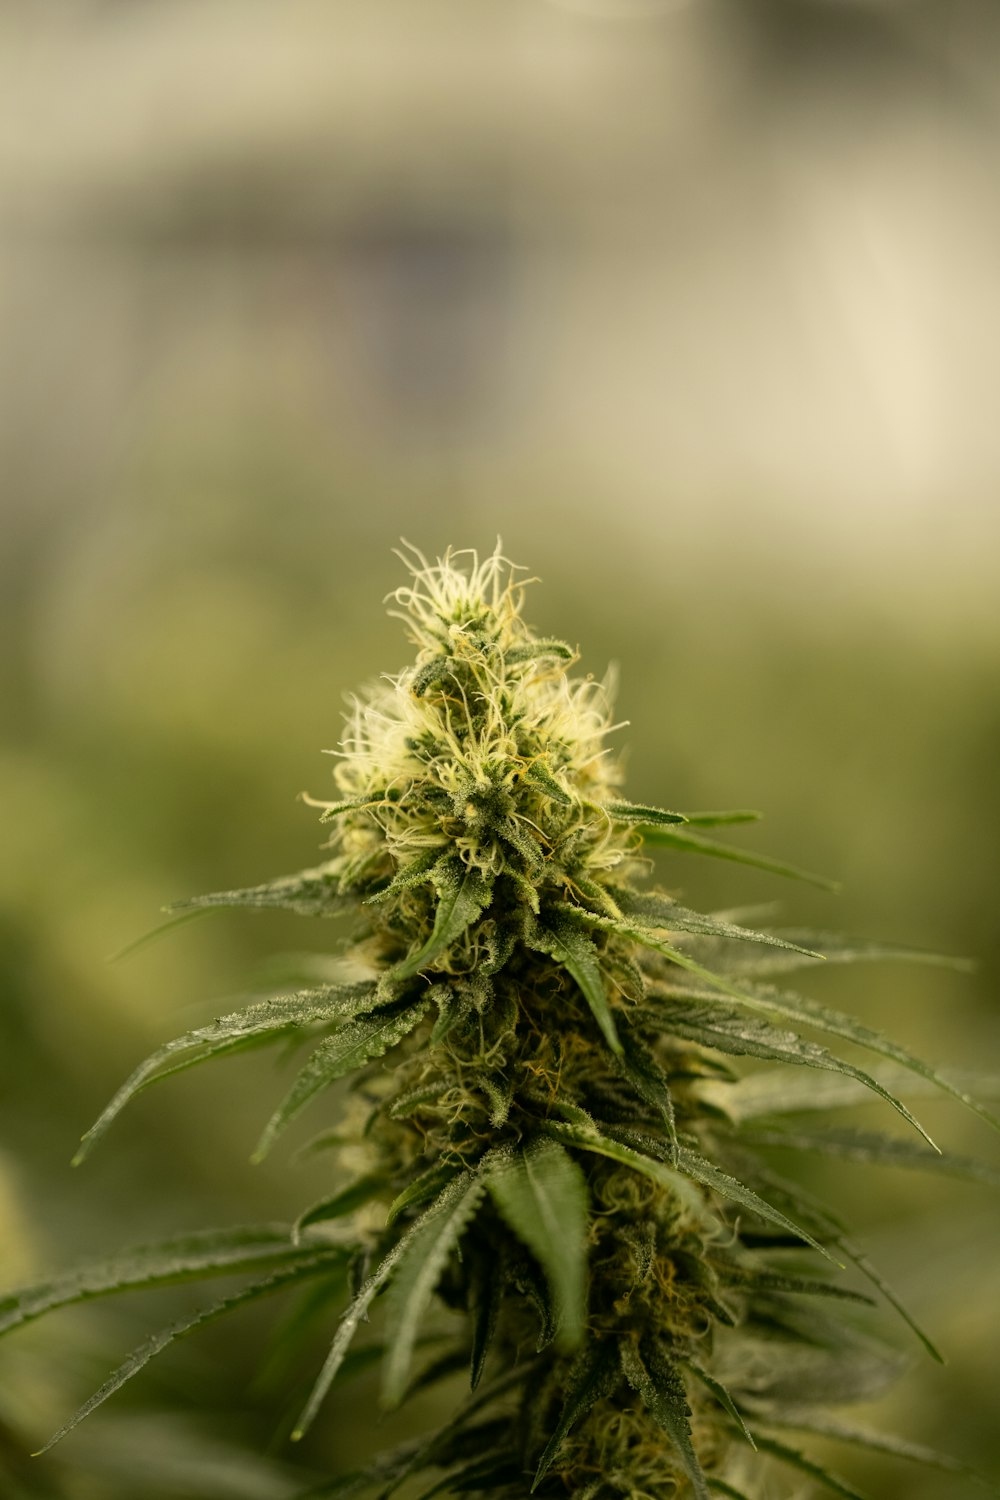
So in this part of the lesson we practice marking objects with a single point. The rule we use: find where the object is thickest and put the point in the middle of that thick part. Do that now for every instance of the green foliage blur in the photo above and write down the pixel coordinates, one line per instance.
(280, 290)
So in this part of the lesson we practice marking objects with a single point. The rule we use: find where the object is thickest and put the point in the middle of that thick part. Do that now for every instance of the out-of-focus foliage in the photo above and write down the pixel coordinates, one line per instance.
(697, 310)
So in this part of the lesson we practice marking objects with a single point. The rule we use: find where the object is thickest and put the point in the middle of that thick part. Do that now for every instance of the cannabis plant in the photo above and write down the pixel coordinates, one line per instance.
(544, 1130)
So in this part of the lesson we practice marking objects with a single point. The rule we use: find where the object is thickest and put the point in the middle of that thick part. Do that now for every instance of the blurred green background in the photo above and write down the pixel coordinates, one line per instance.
(699, 308)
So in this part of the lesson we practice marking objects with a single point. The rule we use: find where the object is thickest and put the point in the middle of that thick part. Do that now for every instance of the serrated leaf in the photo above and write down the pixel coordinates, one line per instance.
(463, 895)
(541, 1193)
(661, 912)
(579, 957)
(635, 812)
(418, 1271)
(799, 1008)
(257, 1025)
(586, 1137)
(539, 774)
(815, 946)
(877, 1442)
(711, 1176)
(357, 1313)
(339, 1204)
(659, 1384)
(415, 872)
(536, 649)
(594, 1375)
(361, 1040)
(796, 1460)
(721, 1395)
(719, 1026)
(333, 810)
(422, 1188)
(689, 842)
(311, 893)
(488, 1281)
(306, 1266)
(188, 1257)
(638, 1065)
(880, 1150)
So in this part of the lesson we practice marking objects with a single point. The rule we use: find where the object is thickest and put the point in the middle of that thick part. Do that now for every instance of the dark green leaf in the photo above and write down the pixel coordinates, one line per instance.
(877, 1442)
(635, 812)
(311, 893)
(258, 1025)
(579, 957)
(721, 1395)
(659, 1384)
(463, 895)
(189, 1257)
(306, 1266)
(799, 1461)
(881, 1150)
(595, 1374)
(715, 819)
(541, 1192)
(660, 912)
(542, 777)
(427, 1185)
(418, 1271)
(340, 1204)
(355, 1044)
(834, 948)
(720, 1182)
(694, 843)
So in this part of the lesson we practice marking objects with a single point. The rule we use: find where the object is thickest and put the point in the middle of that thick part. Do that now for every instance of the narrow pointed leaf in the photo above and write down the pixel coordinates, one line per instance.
(814, 946)
(258, 1025)
(189, 1257)
(419, 1270)
(695, 843)
(306, 1266)
(463, 895)
(796, 1460)
(579, 957)
(720, 1182)
(542, 777)
(720, 1026)
(585, 1137)
(311, 893)
(878, 1149)
(595, 1374)
(805, 1011)
(355, 1044)
(541, 1192)
(877, 1442)
(339, 1204)
(648, 817)
(659, 1384)
(715, 819)
(428, 1185)
(723, 1397)
(660, 912)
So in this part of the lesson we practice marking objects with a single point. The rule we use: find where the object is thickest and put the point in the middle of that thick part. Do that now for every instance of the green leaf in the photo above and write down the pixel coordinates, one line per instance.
(634, 812)
(355, 1314)
(414, 872)
(463, 895)
(541, 1192)
(595, 1374)
(488, 1281)
(539, 773)
(720, 1182)
(660, 912)
(339, 1204)
(694, 843)
(333, 810)
(258, 1025)
(720, 1026)
(418, 1271)
(659, 1384)
(796, 1460)
(714, 819)
(579, 957)
(536, 649)
(877, 1442)
(586, 1137)
(880, 1150)
(355, 1044)
(307, 1266)
(794, 1007)
(188, 1257)
(835, 948)
(650, 1083)
(311, 893)
(422, 1188)
(721, 1395)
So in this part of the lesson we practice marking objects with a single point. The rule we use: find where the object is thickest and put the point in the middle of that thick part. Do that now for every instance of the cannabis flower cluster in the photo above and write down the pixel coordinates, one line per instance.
(545, 1130)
